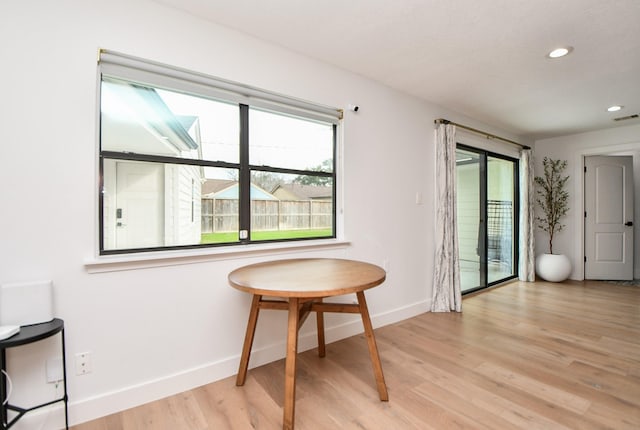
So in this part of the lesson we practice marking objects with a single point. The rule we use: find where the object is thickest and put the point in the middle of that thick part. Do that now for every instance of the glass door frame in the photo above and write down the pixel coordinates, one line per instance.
(483, 194)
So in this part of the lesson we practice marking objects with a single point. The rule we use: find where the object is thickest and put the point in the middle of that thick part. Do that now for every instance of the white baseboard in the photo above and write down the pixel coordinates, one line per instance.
(111, 402)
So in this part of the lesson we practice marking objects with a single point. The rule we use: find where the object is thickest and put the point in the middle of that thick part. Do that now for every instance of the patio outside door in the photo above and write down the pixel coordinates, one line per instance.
(487, 210)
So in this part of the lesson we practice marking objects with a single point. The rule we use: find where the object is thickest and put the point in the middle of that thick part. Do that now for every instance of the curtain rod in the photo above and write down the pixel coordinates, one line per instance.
(475, 130)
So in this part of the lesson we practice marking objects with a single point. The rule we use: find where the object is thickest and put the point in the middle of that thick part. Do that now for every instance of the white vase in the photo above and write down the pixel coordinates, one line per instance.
(553, 267)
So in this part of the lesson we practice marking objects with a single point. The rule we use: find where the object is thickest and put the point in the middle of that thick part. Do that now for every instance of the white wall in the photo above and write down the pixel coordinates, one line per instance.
(160, 330)
(614, 141)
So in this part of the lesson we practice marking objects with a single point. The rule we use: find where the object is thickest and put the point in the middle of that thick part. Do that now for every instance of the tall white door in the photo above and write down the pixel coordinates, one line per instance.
(139, 205)
(608, 196)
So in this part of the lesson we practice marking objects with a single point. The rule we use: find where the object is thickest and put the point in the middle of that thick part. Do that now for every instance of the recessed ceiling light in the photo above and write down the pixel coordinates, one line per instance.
(614, 108)
(560, 52)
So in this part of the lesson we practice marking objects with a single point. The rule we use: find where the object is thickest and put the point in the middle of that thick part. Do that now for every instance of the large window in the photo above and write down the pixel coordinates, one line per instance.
(187, 160)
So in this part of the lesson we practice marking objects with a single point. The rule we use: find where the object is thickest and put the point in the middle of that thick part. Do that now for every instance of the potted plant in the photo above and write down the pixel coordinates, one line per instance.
(553, 199)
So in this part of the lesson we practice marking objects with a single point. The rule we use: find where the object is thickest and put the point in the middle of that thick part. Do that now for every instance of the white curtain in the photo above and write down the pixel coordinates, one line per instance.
(526, 271)
(446, 295)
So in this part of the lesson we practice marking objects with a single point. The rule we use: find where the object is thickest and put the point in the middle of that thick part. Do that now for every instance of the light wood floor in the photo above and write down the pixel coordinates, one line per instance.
(521, 356)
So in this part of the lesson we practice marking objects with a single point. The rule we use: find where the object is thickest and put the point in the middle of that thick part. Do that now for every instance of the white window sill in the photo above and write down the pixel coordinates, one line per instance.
(114, 263)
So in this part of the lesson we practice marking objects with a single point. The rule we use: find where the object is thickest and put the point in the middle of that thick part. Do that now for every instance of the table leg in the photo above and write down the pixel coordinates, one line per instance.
(248, 339)
(290, 365)
(320, 324)
(373, 348)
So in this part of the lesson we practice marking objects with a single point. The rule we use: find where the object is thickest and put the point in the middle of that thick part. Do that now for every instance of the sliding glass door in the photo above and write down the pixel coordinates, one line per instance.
(501, 219)
(470, 219)
(487, 210)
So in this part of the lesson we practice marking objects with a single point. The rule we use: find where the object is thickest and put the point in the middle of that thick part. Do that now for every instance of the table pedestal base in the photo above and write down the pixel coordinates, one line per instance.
(298, 311)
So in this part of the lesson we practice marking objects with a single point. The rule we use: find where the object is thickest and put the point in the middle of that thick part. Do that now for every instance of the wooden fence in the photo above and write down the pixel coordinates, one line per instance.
(221, 215)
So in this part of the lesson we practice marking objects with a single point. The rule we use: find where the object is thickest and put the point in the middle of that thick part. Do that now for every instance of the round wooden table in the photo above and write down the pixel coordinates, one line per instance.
(304, 283)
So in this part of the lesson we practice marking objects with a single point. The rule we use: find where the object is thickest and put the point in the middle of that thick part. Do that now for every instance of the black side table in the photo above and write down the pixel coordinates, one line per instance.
(30, 334)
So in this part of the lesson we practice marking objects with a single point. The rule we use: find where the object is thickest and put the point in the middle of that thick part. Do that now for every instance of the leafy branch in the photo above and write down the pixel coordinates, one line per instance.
(552, 197)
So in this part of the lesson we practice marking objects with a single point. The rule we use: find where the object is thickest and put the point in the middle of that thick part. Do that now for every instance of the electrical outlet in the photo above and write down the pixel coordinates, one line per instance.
(83, 363)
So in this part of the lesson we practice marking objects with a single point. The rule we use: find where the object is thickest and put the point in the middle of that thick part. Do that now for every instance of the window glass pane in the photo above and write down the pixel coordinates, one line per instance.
(290, 206)
(279, 140)
(220, 206)
(468, 219)
(500, 219)
(145, 120)
(148, 205)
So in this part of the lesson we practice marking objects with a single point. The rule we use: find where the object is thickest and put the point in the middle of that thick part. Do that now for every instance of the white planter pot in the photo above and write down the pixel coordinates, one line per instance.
(553, 267)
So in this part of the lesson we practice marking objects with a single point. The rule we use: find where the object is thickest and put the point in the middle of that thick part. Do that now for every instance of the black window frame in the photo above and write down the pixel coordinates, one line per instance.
(266, 101)
(484, 243)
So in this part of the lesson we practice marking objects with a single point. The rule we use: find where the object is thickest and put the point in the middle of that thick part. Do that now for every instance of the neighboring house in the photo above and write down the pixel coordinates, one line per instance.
(210, 187)
(228, 189)
(302, 192)
(148, 204)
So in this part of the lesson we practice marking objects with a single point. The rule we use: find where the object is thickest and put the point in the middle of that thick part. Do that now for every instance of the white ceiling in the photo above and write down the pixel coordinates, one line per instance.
(482, 58)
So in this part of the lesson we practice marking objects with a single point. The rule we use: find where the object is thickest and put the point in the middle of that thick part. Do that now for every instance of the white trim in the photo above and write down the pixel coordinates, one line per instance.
(578, 262)
(145, 260)
(138, 394)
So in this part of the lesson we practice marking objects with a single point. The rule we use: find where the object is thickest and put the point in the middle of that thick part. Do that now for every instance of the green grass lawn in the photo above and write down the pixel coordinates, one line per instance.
(265, 235)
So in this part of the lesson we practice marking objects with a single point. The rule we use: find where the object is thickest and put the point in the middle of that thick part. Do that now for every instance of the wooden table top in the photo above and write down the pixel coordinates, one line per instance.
(307, 277)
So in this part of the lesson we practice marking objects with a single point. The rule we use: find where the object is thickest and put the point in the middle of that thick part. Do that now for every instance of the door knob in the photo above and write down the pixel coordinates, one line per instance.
(629, 223)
